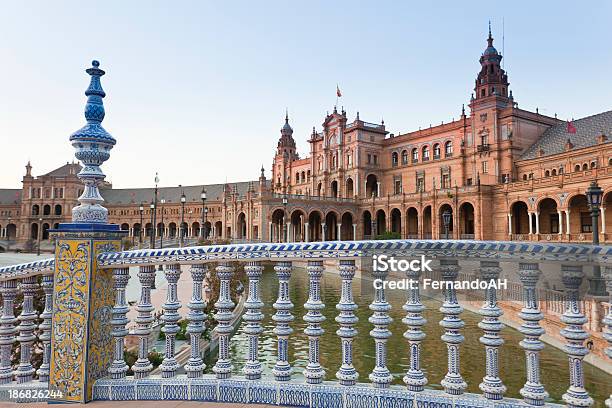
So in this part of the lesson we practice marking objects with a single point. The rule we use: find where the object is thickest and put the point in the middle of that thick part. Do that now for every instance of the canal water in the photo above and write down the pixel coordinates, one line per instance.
(554, 363)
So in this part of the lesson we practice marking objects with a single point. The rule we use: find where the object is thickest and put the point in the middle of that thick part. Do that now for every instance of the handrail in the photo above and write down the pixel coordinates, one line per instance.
(501, 250)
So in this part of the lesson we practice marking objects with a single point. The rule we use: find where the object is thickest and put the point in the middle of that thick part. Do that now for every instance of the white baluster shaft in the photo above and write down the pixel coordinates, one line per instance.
(45, 328)
(491, 385)
(118, 368)
(533, 391)
(380, 376)
(282, 318)
(195, 366)
(453, 383)
(414, 379)
(171, 317)
(8, 330)
(576, 395)
(314, 372)
(252, 368)
(223, 367)
(347, 320)
(26, 328)
(142, 367)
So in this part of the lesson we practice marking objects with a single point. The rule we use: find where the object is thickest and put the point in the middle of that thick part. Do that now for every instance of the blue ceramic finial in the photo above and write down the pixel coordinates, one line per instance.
(93, 144)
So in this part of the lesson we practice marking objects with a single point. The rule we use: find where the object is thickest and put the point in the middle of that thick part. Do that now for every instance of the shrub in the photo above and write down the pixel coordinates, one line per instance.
(389, 235)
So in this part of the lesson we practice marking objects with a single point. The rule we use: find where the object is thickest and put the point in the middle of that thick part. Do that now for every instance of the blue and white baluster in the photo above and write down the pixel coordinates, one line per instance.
(282, 317)
(224, 315)
(380, 376)
(414, 379)
(574, 333)
(453, 383)
(45, 328)
(26, 328)
(608, 322)
(347, 375)
(491, 385)
(118, 368)
(252, 368)
(533, 391)
(314, 372)
(142, 367)
(8, 330)
(170, 318)
(195, 366)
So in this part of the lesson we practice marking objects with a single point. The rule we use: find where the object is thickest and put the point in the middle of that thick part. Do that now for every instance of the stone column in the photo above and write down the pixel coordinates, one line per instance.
(576, 395)
(560, 222)
(338, 232)
(306, 232)
(603, 220)
(324, 226)
(378, 189)
(530, 223)
(510, 225)
(567, 222)
(354, 232)
(537, 219)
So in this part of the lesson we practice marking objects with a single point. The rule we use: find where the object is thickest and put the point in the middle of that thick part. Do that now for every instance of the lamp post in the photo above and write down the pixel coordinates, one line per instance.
(206, 231)
(203, 197)
(446, 218)
(152, 243)
(182, 229)
(141, 209)
(38, 236)
(163, 226)
(285, 237)
(8, 235)
(594, 194)
(154, 213)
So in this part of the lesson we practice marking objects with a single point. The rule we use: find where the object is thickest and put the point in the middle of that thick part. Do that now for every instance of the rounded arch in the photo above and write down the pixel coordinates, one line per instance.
(334, 188)
(218, 229)
(45, 231)
(412, 223)
(448, 148)
(404, 156)
(436, 151)
(125, 226)
(34, 231)
(57, 210)
(349, 188)
(446, 230)
(520, 217)
(396, 221)
(315, 226)
(241, 227)
(548, 216)
(346, 227)
(427, 222)
(394, 159)
(371, 186)
(35, 209)
(414, 154)
(425, 152)
(298, 225)
(136, 229)
(195, 229)
(467, 228)
(46, 209)
(580, 215)
(331, 226)
(11, 232)
(278, 225)
(172, 230)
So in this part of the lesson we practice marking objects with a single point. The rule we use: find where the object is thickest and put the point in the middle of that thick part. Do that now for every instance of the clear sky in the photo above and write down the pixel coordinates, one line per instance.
(197, 90)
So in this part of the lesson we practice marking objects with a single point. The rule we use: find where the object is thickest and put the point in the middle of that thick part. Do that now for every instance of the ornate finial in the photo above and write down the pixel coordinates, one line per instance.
(335, 110)
(262, 172)
(463, 109)
(357, 115)
(490, 39)
(286, 115)
(93, 144)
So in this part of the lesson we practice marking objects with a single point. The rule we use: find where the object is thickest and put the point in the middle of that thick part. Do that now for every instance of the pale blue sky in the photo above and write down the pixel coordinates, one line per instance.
(197, 90)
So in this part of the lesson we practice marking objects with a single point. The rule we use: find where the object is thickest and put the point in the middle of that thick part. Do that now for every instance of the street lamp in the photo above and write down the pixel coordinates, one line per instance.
(163, 227)
(152, 242)
(285, 202)
(8, 235)
(182, 229)
(38, 237)
(141, 209)
(594, 194)
(203, 197)
(154, 213)
(446, 218)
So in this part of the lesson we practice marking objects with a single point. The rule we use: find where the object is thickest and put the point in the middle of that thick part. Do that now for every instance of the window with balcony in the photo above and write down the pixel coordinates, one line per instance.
(425, 153)
(485, 167)
(420, 184)
(445, 181)
(394, 159)
(404, 157)
(436, 151)
(415, 155)
(397, 186)
(448, 149)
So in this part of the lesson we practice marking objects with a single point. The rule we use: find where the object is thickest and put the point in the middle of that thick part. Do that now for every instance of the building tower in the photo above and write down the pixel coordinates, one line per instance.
(492, 80)
(286, 153)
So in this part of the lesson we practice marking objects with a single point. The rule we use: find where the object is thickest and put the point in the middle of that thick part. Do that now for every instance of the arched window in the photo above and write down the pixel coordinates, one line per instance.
(425, 153)
(436, 151)
(585, 166)
(405, 157)
(560, 170)
(610, 161)
(554, 172)
(394, 159)
(524, 177)
(448, 149)
(547, 173)
(593, 164)
(577, 167)
(297, 177)
(415, 155)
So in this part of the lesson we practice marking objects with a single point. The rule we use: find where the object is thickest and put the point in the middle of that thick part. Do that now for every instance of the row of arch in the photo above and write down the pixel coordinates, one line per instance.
(299, 226)
(425, 153)
(46, 209)
(173, 230)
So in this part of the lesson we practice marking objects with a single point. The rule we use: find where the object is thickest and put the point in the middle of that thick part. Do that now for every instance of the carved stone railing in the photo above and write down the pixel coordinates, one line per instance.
(315, 390)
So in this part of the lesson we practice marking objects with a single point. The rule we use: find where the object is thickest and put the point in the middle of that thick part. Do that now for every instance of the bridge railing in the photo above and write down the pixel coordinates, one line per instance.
(316, 391)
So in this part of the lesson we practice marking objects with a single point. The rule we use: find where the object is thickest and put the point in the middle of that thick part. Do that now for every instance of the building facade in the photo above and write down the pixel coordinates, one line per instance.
(502, 172)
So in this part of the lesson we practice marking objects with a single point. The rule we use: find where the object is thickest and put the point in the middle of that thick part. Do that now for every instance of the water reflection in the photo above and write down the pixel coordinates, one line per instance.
(512, 360)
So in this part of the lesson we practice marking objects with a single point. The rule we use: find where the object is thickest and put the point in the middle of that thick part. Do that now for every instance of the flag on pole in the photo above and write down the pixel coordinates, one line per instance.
(338, 93)
(570, 127)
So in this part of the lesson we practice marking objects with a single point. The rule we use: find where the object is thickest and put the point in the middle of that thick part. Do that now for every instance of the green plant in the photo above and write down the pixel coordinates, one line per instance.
(389, 235)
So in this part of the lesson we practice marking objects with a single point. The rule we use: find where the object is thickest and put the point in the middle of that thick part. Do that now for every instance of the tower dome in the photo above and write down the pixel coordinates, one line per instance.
(286, 129)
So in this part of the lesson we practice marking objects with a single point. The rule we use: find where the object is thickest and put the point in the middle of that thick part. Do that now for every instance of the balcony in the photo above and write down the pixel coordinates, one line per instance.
(483, 148)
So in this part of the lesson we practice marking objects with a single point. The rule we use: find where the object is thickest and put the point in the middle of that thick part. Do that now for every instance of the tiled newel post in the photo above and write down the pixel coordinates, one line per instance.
(608, 322)
(82, 342)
